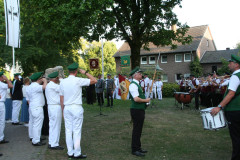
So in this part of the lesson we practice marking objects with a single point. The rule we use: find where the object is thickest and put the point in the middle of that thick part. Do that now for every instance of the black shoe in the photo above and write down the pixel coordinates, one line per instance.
(39, 144)
(143, 151)
(56, 148)
(70, 156)
(42, 138)
(4, 141)
(17, 123)
(1, 154)
(81, 156)
(137, 153)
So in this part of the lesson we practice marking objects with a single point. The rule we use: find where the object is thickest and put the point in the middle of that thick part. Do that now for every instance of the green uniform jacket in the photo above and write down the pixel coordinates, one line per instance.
(234, 104)
(137, 105)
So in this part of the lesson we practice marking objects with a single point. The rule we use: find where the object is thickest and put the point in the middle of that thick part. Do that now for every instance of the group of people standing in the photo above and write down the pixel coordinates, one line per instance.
(63, 97)
(209, 90)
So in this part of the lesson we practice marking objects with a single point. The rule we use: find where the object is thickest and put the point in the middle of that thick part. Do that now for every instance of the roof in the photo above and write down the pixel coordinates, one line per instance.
(196, 32)
(216, 56)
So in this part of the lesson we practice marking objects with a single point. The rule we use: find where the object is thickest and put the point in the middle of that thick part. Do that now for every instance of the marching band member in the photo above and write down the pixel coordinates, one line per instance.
(54, 111)
(35, 97)
(195, 89)
(3, 91)
(146, 84)
(71, 103)
(231, 106)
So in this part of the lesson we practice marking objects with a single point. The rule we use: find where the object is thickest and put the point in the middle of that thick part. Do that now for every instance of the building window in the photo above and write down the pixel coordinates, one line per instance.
(178, 58)
(152, 60)
(143, 60)
(164, 78)
(178, 76)
(214, 69)
(187, 57)
(164, 59)
(207, 43)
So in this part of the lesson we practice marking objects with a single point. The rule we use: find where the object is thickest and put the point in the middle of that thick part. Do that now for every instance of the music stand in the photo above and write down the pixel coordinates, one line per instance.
(100, 111)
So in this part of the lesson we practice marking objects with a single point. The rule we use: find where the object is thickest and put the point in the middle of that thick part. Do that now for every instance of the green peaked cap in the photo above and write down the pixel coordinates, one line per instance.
(53, 75)
(137, 69)
(73, 67)
(17, 74)
(36, 76)
(235, 58)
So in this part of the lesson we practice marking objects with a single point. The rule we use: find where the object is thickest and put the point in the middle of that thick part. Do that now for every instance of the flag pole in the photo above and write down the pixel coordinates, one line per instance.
(102, 60)
(13, 51)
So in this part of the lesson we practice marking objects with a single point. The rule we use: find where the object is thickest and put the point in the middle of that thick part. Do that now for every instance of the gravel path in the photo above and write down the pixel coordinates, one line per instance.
(19, 146)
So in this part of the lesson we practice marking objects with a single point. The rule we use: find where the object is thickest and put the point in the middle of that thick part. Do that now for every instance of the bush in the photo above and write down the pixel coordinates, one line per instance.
(168, 89)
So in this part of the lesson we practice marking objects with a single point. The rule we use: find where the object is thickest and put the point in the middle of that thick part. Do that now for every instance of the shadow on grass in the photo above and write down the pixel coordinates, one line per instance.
(168, 134)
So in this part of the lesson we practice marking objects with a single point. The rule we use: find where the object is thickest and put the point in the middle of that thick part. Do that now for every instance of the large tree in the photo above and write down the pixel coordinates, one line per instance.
(138, 22)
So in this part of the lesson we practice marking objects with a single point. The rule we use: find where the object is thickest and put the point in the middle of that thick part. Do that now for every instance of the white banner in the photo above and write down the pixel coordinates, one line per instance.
(12, 19)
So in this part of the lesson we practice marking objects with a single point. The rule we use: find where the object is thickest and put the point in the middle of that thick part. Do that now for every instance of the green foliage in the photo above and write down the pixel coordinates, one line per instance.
(168, 89)
(224, 67)
(94, 50)
(196, 68)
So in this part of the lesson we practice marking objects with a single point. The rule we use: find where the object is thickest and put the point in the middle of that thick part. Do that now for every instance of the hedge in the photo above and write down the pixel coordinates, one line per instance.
(168, 89)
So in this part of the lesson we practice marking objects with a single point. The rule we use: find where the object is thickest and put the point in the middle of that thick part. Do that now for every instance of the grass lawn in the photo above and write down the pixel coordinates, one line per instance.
(168, 134)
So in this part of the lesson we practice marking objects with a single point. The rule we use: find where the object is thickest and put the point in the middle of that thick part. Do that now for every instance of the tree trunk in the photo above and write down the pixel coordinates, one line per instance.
(135, 55)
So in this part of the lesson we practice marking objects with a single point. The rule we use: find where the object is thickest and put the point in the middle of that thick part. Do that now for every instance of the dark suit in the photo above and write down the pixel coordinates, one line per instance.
(17, 89)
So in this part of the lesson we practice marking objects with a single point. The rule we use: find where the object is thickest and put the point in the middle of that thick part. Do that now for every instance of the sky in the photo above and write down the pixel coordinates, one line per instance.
(222, 16)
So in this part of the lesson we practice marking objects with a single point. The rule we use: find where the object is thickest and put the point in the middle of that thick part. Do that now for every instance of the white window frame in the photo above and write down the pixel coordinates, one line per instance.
(143, 62)
(163, 78)
(176, 57)
(185, 57)
(162, 58)
(152, 62)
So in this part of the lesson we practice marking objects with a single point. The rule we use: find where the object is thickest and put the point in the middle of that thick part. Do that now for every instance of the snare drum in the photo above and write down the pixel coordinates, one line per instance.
(212, 122)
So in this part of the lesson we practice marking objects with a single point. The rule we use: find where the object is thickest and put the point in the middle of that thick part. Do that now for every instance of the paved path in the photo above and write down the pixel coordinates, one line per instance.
(19, 146)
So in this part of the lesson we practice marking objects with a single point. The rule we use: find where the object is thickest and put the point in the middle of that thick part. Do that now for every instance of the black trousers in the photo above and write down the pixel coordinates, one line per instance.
(196, 95)
(233, 118)
(100, 99)
(138, 116)
(109, 94)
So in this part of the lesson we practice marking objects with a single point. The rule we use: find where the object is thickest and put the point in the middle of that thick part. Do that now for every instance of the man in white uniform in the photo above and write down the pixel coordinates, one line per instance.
(159, 85)
(115, 93)
(35, 98)
(54, 111)
(146, 81)
(71, 103)
(3, 92)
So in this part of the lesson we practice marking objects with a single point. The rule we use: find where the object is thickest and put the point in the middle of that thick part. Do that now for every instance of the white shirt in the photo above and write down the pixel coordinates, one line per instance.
(133, 89)
(146, 81)
(52, 92)
(34, 94)
(159, 85)
(71, 89)
(116, 81)
(234, 81)
(8, 95)
(3, 91)
(24, 90)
